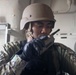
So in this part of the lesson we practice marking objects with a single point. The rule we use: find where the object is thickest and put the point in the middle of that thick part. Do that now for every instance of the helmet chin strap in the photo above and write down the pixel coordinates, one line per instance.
(29, 35)
(29, 28)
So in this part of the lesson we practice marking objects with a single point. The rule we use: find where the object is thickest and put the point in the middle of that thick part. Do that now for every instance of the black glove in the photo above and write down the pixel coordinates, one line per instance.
(33, 48)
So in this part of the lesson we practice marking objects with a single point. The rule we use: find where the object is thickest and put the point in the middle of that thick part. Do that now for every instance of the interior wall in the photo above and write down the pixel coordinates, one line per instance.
(67, 25)
(9, 10)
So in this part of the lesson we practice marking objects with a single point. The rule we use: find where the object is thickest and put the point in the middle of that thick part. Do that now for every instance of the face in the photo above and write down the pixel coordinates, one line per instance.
(40, 28)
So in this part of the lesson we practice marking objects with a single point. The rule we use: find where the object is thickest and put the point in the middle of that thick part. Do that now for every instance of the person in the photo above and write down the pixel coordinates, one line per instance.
(38, 54)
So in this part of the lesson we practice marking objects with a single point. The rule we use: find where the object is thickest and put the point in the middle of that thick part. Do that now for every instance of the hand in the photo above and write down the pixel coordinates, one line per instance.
(11, 48)
(33, 48)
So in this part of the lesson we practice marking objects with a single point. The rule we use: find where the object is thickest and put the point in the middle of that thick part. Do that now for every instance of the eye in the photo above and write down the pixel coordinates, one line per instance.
(39, 24)
(50, 25)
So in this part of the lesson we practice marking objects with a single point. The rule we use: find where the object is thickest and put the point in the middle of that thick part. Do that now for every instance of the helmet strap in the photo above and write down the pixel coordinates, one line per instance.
(29, 32)
(29, 28)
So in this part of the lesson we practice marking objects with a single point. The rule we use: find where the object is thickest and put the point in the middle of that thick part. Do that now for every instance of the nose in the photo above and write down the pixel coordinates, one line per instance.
(44, 30)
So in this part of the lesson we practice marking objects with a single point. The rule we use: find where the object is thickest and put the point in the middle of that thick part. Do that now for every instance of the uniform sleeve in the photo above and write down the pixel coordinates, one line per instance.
(67, 59)
(8, 51)
(14, 67)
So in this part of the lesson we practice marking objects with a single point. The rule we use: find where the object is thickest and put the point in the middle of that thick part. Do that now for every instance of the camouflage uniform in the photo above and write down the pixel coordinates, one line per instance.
(64, 59)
